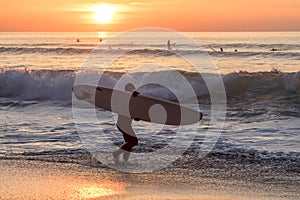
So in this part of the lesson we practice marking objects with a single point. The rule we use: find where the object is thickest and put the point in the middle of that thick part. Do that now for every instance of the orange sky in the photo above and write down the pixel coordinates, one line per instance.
(181, 15)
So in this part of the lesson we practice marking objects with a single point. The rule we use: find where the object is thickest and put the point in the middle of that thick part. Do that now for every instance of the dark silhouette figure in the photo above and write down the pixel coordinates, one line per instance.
(100, 40)
(124, 126)
(78, 40)
(169, 45)
(221, 49)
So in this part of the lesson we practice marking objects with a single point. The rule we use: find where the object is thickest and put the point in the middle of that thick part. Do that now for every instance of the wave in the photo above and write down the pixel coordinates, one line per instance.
(36, 85)
(274, 82)
(43, 50)
(270, 54)
(12, 103)
(192, 158)
(107, 49)
(281, 46)
(41, 85)
(277, 46)
(73, 50)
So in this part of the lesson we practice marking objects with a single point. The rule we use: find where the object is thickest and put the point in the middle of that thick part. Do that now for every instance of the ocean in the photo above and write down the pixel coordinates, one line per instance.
(260, 71)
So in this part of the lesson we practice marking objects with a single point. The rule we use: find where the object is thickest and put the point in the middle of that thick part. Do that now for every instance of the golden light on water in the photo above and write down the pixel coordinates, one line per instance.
(102, 34)
(41, 184)
(90, 190)
(94, 191)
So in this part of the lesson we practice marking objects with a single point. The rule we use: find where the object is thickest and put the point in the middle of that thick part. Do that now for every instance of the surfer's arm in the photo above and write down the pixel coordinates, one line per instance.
(135, 93)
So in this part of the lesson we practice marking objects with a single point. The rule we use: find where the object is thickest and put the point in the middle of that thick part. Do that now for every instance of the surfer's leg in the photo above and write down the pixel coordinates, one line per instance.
(130, 142)
(126, 155)
(116, 155)
(126, 148)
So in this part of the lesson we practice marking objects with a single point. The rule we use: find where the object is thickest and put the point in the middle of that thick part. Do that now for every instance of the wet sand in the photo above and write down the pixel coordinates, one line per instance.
(31, 179)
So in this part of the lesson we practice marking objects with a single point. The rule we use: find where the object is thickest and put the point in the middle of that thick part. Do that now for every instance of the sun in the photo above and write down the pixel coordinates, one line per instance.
(104, 13)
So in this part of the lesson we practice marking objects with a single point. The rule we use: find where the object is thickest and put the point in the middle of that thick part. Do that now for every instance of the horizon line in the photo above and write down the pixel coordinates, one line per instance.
(114, 31)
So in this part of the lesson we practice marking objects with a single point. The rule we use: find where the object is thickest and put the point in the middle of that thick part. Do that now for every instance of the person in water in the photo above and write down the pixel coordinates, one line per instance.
(124, 126)
(169, 45)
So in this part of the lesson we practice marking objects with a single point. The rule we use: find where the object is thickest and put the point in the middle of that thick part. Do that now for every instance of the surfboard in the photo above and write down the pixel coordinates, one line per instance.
(137, 106)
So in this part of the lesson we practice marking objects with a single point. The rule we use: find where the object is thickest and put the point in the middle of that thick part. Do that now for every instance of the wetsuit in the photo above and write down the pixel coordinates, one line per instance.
(124, 126)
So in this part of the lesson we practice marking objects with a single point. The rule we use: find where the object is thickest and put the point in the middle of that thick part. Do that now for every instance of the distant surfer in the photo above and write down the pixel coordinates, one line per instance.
(221, 49)
(124, 126)
(169, 45)
(78, 40)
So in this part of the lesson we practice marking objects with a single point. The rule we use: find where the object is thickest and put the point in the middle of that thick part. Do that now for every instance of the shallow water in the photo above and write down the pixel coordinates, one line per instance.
(38, 71)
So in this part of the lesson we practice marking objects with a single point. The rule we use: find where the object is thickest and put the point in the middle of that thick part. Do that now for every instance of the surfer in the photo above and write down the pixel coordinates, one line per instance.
(124, 126)
(169, 45)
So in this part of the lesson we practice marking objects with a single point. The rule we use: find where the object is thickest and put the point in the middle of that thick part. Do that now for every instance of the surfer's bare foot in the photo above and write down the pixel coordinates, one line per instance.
(128, 164)
(116, 157)
(124, 163)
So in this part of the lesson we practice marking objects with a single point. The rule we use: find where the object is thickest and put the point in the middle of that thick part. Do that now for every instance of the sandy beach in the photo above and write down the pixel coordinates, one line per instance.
(44, 179)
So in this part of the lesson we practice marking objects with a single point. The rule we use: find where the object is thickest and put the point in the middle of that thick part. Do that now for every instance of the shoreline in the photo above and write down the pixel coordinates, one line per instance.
(37, 179)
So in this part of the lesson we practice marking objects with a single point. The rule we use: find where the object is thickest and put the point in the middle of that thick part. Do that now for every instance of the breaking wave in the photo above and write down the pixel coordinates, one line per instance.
(41, 85)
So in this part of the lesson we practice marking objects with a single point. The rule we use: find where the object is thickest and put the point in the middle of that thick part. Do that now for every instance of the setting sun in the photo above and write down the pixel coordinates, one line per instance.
(104, 13)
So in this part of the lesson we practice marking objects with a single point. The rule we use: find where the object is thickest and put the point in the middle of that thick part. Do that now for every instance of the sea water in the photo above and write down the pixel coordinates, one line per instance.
(261, 74)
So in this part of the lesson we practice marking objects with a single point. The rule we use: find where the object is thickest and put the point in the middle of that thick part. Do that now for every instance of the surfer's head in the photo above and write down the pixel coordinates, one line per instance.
(129, 87)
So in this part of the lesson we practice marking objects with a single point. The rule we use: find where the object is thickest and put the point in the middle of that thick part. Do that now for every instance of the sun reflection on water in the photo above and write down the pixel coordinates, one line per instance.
(91, 189)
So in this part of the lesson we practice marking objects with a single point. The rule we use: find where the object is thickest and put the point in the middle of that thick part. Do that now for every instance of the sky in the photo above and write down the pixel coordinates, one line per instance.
(180, 15)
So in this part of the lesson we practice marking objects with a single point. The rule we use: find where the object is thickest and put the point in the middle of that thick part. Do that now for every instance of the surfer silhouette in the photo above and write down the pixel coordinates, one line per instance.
(169, 45)
(124, 126)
